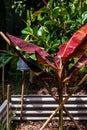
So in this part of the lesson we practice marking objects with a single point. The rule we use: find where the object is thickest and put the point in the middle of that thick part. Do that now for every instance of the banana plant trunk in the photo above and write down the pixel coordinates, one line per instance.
(60, 92)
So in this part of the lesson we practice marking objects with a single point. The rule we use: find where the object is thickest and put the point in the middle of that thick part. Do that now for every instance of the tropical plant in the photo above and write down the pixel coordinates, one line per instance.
(54, 23)
(60, 64)
(50, 23)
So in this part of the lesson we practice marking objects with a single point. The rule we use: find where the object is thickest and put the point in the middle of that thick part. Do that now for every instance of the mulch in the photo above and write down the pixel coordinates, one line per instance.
(53, 125)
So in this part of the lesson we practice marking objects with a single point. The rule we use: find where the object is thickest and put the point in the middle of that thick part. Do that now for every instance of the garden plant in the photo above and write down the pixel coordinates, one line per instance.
(65, 70)
(47, 23)
(49, 27)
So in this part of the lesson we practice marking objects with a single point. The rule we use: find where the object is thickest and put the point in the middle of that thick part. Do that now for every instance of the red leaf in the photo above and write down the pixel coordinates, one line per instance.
(26, 46)
(76, 67)
(61, 49)
(66, 51)
(41, 55)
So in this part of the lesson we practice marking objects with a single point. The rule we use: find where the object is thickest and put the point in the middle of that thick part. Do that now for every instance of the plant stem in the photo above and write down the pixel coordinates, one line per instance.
(61, 110)
(63, 102)
(64, 108)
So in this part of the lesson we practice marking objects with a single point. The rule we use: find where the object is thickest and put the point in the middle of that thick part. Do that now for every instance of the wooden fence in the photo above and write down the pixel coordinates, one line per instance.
(40, 107)
(3, 115)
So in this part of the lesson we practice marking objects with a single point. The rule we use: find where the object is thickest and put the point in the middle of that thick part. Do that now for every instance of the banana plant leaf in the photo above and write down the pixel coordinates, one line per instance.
(26, 46)
(42, 55)
(75, 46)
(44, 60)
(82, 61)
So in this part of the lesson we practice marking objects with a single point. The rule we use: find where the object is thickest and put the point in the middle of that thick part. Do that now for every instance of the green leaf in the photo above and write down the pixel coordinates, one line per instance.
(32, 56)
(84, 17)
(54, 46)
(56, 12)
(64, 39)
(50, 22)
(40, 31)
(5, 57)
(45, 10)
(50, 3)
(48, 37)
(69, 21)
(27, 31)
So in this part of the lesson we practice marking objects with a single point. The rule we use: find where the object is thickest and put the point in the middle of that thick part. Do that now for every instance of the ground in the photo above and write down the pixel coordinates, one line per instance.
(35, 88)
(53, 125)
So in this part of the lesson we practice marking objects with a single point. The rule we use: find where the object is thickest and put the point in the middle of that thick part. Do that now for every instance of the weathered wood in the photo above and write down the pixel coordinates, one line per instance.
(3, 114)
(3, 84)
(22, 94)
(8, 107)
(40, 107)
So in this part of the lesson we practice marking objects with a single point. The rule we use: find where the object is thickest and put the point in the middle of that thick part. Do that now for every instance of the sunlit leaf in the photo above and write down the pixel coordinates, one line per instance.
(78, 39)
(84, 17)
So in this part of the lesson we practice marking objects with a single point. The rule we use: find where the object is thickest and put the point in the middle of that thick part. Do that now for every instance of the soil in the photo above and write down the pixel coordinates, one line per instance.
(53, 125)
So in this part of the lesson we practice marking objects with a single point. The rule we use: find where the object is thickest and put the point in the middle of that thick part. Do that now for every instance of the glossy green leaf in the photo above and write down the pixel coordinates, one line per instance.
(55, 45)
(50, 22)
(56, 12)
(50, 3)
(84, 17)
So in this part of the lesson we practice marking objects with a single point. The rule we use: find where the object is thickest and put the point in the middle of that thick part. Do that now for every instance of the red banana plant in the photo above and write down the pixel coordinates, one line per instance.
(74, 48)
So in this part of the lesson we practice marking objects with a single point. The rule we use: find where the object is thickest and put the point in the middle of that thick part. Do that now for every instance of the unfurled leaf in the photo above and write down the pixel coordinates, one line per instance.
(26, 46)
(41, 55)
(76, 67)
(76, 42)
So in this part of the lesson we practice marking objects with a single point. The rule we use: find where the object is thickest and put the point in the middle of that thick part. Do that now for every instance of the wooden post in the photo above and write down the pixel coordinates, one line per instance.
(22, 95)
(31, 76)
(8, 101)
(3, 79)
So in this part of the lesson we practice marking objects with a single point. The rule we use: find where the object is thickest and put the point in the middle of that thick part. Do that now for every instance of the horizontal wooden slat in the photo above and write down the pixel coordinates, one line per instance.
(4, 104)
(40, 107)
(45, 118)
(49, 112)
(3, 114)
